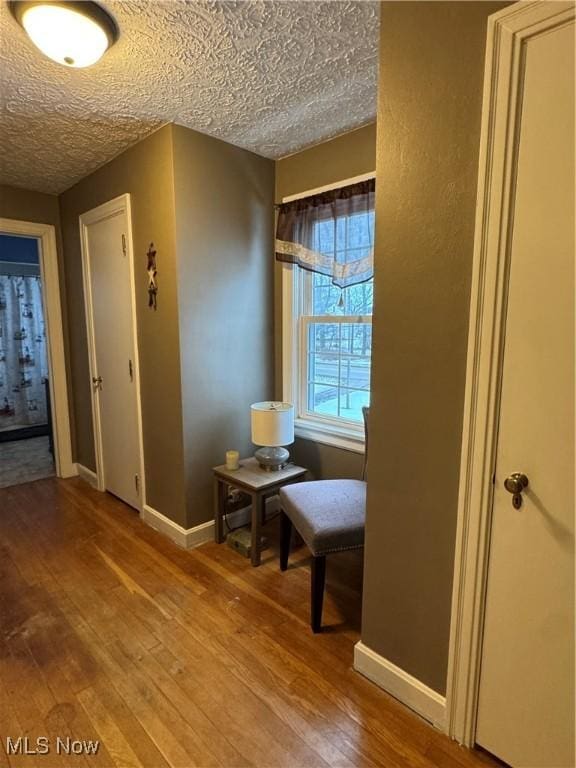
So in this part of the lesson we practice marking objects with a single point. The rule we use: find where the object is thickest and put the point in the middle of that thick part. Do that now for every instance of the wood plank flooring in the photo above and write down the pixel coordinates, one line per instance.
(110, 633)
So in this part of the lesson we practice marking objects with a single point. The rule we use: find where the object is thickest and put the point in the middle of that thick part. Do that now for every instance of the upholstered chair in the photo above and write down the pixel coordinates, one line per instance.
(329, 515)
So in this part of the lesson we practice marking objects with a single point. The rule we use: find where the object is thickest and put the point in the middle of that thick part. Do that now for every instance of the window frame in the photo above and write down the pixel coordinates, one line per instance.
(296, 284)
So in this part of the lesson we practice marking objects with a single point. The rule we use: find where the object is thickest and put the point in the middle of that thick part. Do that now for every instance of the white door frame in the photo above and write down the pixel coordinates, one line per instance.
(508, 31)
(119, 204)
(48, 257)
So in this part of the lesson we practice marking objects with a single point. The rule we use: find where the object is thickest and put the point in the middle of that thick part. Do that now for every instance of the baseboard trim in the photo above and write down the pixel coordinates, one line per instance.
(407, 689)
(183, 537)
(87, 475)
(188, 538)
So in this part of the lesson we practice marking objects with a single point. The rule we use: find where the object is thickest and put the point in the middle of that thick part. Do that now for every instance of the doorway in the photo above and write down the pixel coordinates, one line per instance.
(109, 290)
(26, 445)
(35, 440)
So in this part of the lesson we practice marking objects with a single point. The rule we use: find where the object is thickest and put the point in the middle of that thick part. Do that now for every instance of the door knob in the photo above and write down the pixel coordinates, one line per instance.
(515, 484)
(97, 381)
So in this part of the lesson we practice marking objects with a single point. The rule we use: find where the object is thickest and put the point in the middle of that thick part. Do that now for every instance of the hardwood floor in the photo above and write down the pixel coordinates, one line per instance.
(109, 632)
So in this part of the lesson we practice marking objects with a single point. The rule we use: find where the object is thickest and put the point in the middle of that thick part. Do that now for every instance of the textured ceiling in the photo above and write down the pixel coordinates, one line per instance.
(272, 77)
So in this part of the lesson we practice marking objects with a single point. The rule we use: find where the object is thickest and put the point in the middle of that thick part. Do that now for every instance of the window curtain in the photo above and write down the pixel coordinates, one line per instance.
(331, 233)
(23, 360)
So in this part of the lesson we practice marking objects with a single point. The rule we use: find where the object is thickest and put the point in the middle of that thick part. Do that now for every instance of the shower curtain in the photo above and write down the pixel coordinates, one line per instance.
(23, 359)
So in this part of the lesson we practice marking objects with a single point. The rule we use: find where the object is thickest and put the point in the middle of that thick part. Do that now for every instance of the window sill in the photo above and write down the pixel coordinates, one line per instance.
(337, 437)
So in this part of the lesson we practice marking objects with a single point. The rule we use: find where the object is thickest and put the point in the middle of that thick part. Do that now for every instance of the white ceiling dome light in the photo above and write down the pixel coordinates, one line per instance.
(75, 34)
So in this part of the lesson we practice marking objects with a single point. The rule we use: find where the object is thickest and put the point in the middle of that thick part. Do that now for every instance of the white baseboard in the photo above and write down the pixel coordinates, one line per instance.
(188, 538)
(184, 537)
(86, 474)
(407, 689)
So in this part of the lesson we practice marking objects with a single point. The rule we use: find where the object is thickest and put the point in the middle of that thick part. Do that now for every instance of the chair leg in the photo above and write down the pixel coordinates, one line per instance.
(285, 536)
(317, 592)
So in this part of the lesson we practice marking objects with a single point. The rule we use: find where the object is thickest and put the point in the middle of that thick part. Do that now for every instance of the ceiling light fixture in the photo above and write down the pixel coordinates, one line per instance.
(75, 34)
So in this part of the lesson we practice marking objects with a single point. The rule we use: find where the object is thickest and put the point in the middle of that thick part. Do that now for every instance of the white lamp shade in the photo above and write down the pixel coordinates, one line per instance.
(272, 423)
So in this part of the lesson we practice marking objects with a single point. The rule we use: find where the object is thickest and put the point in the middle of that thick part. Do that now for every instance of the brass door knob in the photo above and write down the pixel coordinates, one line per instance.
(515, 484)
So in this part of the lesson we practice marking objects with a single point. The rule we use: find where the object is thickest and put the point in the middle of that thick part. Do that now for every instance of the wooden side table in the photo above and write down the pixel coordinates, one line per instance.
(258, 484)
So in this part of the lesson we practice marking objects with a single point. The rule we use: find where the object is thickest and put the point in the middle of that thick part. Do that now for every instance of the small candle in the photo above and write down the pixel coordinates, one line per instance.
(232, 460)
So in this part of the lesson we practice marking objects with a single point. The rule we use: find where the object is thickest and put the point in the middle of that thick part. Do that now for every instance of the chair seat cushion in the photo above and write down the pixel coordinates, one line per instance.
(328, 514)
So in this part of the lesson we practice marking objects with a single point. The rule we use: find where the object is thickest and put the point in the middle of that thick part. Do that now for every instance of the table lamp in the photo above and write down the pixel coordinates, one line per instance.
(272, 428)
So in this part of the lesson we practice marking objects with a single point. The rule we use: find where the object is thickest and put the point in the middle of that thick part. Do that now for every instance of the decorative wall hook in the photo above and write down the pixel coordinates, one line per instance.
(152, 272)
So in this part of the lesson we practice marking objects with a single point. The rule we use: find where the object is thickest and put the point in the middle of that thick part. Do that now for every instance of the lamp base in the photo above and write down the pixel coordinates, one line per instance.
(271, 459)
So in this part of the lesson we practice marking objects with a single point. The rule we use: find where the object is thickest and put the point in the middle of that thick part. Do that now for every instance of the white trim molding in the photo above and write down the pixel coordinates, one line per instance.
(330, 187)
(189, 538)
(508, 32)
(48, 256)
(409, 690)
(329, 435)
(87, 475)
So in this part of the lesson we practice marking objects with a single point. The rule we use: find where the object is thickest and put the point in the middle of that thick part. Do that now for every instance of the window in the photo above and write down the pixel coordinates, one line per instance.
(327, 336)
(337, 343)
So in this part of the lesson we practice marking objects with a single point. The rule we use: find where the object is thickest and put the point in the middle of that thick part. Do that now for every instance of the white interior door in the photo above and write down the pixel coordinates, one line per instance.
(526, 702)
(110, 315)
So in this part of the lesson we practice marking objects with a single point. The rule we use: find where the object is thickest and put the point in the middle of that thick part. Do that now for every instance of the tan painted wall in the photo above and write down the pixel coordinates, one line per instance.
(146, 172)
(25, 205)
(208, 208)
(38, 207)
(224, 225)
(344, 157)
(431, 70)
(351, 154)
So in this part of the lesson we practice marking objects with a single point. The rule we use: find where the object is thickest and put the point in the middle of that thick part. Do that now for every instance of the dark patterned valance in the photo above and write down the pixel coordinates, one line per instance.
(331, 233)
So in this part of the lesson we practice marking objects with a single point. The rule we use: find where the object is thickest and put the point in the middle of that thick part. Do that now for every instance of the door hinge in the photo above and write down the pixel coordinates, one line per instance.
(130, 370)
(124, 245)
(137, 484)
